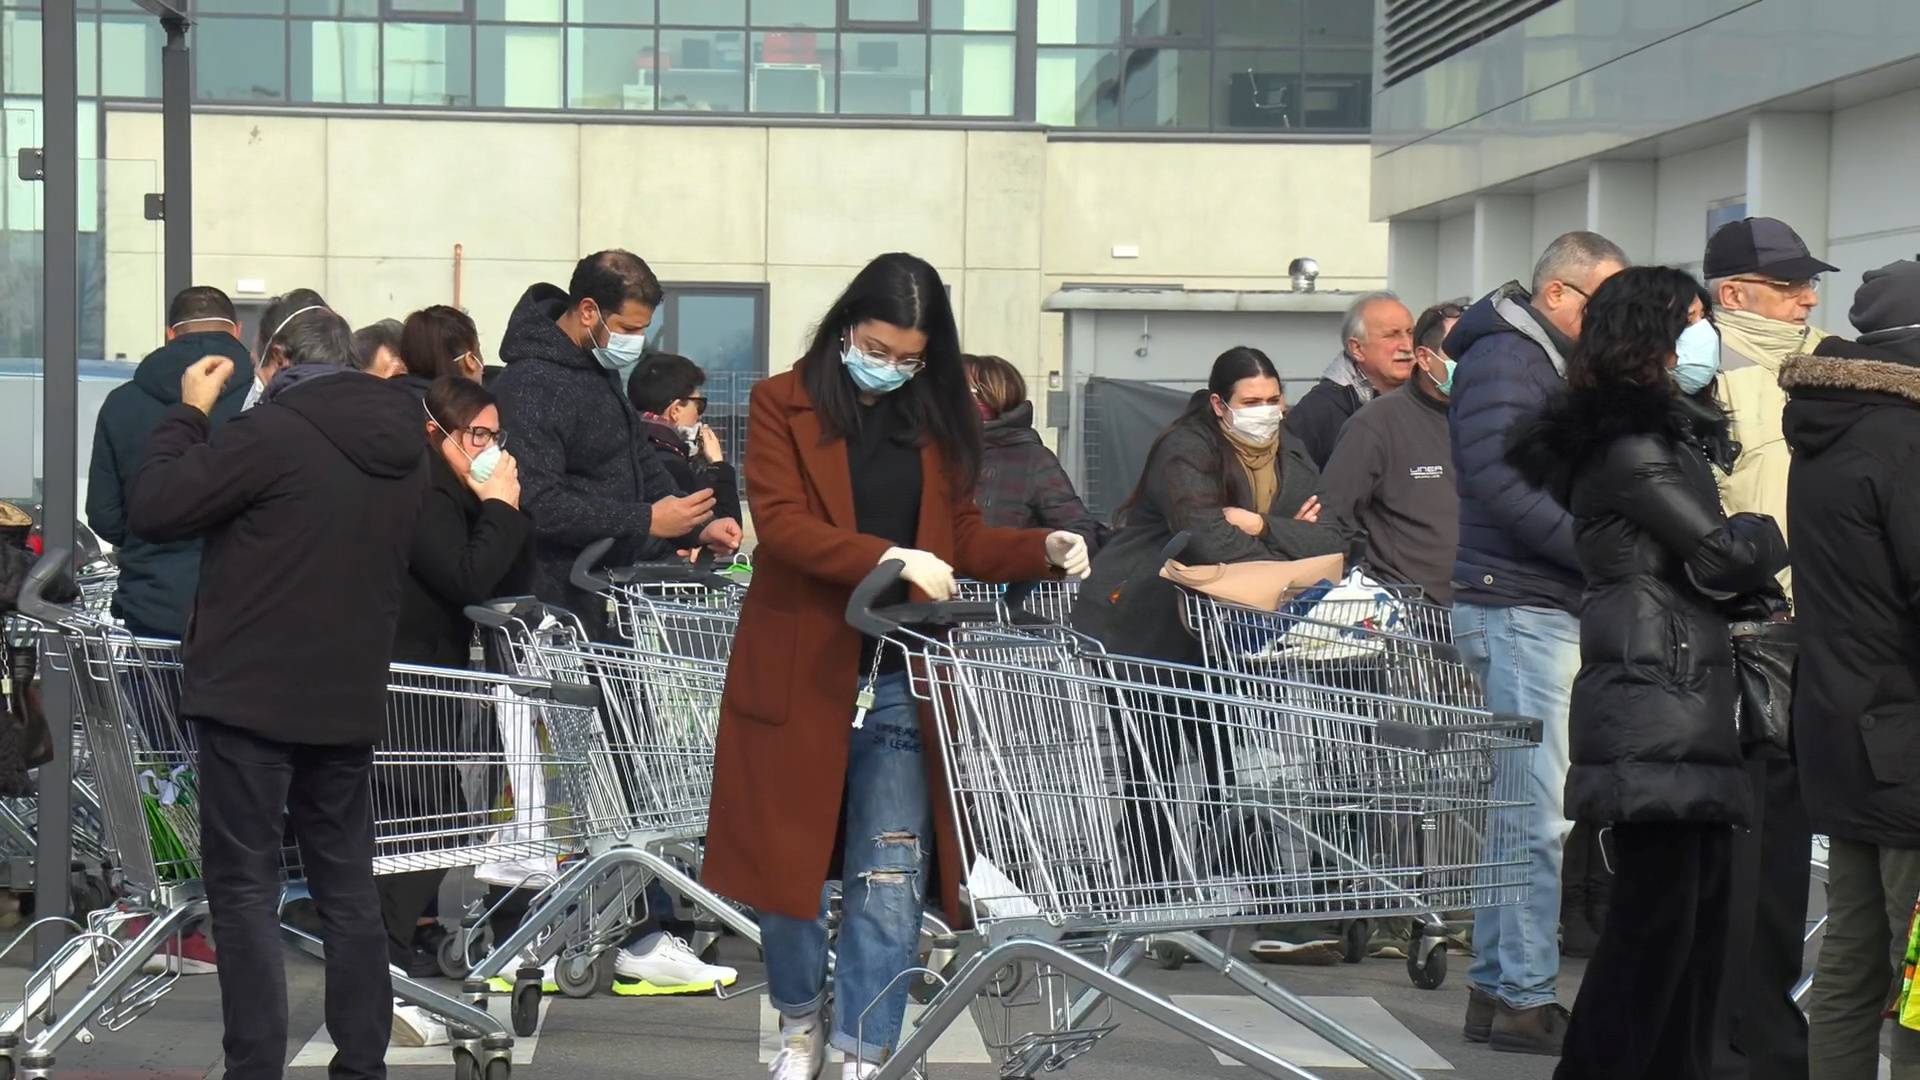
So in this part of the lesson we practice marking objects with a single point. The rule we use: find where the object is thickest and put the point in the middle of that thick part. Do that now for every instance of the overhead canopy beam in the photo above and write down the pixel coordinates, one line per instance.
(164, 9)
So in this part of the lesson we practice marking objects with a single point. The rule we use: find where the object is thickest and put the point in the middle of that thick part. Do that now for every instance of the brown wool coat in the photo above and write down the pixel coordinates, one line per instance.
(781, 758)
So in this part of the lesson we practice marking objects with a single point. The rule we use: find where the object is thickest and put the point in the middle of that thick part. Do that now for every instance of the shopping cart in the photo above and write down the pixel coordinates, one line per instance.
(432, 781)
(631, 592)
(1103, 800)
(1046, 601)
(642, 797)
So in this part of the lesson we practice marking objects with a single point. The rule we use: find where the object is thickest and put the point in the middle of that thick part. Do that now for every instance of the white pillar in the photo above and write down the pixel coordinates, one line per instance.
(1620, 204)
(1787, 163)
(1502, 241)
(1413, 261)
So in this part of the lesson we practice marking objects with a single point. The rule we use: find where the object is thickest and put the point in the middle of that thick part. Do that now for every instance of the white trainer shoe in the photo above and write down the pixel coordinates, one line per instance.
(666, 966)
(414, 1026)
(858, 1070)
(802, 1052)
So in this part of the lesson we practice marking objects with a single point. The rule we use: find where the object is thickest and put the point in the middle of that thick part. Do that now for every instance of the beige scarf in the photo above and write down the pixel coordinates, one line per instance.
(1767, 342)
(1260, 462)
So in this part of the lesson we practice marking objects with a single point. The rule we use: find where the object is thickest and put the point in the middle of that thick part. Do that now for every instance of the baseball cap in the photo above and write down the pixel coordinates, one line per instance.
(1760, 245)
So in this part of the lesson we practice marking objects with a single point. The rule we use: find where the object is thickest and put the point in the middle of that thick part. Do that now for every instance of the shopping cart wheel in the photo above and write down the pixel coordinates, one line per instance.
(1429, 973)
(525, 1012)
(465, 1065)
(1353, 940)
(453, 950)
(585, 976)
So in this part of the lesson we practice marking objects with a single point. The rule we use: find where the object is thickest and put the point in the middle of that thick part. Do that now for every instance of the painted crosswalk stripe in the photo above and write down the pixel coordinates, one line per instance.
(1263, 1026)
(961, 1044)
(319, 1050)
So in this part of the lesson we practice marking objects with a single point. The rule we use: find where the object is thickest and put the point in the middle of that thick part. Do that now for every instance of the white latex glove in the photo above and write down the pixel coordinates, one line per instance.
(924, 570)
(1068, 551)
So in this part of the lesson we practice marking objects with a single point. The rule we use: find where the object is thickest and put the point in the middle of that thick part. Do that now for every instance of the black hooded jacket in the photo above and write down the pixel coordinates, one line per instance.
(1651, 726)
(1022, 485)
(307, 505)
(586, 469)
(1853, 423)
(157, 580)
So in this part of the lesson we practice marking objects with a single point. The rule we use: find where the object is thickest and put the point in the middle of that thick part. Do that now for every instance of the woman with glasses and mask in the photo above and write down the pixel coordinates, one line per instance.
(866, 453)
(440, 341)
(472, 543)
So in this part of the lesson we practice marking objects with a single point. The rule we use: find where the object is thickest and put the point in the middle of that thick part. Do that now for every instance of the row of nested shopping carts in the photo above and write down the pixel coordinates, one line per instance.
(1328, 761)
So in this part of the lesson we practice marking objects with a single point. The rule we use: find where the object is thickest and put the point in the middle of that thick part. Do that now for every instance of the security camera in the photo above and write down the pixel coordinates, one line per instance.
(1303, 272)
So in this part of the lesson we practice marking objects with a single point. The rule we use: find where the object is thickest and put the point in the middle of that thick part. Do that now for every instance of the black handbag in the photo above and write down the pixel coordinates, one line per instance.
(1764, 654)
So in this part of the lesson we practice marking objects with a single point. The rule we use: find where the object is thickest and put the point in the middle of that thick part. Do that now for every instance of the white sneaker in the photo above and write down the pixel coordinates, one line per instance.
(414, 1026)
(666, 966)
(802, 1052)
(858, 1070)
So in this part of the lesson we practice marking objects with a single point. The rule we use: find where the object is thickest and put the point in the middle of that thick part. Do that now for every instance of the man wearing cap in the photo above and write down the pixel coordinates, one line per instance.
(1854, 428)
(1764, 284)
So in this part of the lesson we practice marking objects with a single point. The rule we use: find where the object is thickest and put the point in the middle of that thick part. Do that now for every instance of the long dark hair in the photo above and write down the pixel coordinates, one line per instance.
(434, 337)
(1239, 362)
(904, 291)
(1631, 325)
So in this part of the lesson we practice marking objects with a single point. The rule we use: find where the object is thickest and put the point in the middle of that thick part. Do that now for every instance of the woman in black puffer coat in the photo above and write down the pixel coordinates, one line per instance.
(1652, 726)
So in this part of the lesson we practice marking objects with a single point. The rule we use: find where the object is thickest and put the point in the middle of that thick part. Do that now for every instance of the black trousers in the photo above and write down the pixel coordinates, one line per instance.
(248, 787)
(1761, 1034)
(1646, 1006)
(405, 899)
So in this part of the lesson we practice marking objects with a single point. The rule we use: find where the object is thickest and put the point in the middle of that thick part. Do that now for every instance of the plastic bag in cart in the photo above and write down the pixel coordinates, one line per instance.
(1332, 622)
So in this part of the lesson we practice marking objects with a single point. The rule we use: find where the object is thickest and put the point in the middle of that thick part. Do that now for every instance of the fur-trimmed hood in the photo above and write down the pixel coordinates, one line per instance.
(1577, 424)
(1840, 384)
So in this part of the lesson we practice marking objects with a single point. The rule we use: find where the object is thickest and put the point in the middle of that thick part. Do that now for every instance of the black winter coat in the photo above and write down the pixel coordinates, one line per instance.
(157, 580)
(692, 473)
(1318, 417)
(464, 552)
(1853, 491)
(307, 505)
(1126, 604)
(1652, 725)
(586, 470)
(1022, 485)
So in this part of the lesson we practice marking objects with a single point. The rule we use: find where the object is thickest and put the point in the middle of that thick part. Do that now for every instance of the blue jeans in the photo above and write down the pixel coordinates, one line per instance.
(1526, 658)
(887, 813)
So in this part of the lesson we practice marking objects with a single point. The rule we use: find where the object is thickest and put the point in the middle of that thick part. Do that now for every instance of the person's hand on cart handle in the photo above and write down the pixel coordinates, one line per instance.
(722, 536)
(925, 571)
(1309, 511)
(678, 515)
(200, 384)
(503, 484)
(1245, 520)
(1068, 551)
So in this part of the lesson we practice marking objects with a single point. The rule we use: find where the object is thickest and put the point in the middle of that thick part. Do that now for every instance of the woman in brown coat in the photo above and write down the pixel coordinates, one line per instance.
(867, 451)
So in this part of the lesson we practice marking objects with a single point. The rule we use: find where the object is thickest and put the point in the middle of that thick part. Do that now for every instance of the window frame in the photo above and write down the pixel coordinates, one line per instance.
(847, 24)
(388, 13)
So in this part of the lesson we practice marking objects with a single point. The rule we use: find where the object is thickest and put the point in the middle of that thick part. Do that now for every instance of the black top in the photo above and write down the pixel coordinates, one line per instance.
(464, 552)
(884, 465)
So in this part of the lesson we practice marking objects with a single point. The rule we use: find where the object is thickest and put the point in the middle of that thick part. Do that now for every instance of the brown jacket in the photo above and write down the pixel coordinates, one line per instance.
(780, 762)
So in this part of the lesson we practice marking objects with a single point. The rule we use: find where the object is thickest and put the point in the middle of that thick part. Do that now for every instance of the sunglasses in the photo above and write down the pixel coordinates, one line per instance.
(699, 404)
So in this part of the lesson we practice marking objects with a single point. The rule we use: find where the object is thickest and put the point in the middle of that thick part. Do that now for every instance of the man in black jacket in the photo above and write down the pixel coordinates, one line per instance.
(1853, 423)
(306, 504)
(586, 471)
(666, 390)
(1376, 356)
(157, 580)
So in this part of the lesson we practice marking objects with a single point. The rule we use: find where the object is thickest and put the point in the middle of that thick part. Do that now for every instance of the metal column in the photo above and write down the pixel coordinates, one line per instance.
(61, 386)
(176, 79)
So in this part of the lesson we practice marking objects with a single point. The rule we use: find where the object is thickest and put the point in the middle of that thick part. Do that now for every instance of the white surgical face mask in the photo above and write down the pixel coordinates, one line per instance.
(1255, 423)
(480, 466)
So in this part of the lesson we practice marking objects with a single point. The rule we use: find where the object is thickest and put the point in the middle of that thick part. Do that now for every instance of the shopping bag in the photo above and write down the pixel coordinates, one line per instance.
(1347, 620)
(1905, 1008)
(173, 822)
(1263, 584)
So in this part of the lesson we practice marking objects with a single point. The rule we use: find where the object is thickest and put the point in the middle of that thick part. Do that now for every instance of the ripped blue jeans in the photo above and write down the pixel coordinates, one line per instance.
(888, 822)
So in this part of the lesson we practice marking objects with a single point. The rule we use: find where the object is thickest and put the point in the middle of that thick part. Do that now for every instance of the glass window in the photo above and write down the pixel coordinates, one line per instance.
(793, 72)
(703, 12)
(883, 11)
(520, 67)
(547, 11)
(717, 330)
(429, 7)
(130, 55)
(610, 11)
(336, 62)
(240, 59)
(1171, 20)
(239, 7)
(883, 74)
(20, 52)
(86, 51)
(1080, 22)
(972, 75)
(1256, 90)
(361, 9)
(610, 69)
(973, 15)
(1077, 87)
(1338, 89)
(703, 70)
(426, 64)
(1166, 88)
(1340, 22)
(810, 13)
(1261, 24)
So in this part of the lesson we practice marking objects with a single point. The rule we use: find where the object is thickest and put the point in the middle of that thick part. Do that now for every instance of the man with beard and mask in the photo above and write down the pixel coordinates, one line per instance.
(1376, 357)
(1517, 581)
(1764, 283)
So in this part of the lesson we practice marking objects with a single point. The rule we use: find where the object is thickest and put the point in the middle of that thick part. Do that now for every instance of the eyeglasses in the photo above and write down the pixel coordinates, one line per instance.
(910, 366)
(699, 405)
(1791, 288)
(485, 437)
(1583, 293)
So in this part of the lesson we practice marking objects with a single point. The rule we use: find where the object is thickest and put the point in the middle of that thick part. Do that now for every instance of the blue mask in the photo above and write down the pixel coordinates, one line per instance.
(621, 353)
(872, 375)
(1697, 357)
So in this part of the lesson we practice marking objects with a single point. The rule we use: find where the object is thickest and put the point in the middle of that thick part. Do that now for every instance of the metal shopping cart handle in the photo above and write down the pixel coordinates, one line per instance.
(698, 572)
(48, 578)
(501, 613)
(873, 621)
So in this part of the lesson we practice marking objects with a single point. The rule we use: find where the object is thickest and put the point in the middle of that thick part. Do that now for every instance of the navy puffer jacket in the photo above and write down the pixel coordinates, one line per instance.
(1516, 542)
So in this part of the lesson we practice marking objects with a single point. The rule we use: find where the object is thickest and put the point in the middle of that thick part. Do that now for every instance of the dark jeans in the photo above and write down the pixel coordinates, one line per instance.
(1645, 1010)
(247, 784)
(1761, 1034)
